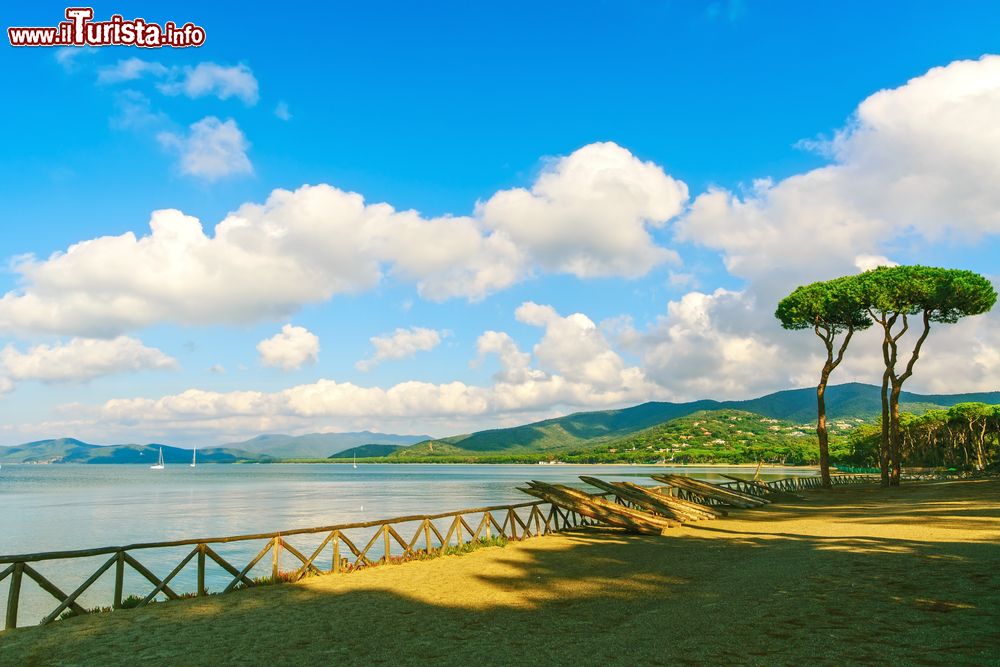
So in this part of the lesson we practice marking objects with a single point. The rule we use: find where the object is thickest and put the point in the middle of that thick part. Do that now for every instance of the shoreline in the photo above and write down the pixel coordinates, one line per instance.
(832, 560)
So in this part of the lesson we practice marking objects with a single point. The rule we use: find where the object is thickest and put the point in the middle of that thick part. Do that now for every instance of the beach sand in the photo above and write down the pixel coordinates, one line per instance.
(856, 575)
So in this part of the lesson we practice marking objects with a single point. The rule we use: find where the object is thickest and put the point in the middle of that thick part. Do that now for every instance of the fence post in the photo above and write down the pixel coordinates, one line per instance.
(336, 553)
(486, 519)
(385, 538)
(427, 535)
(14, 596)
(119, 580)
(275, 554)
(201, 570)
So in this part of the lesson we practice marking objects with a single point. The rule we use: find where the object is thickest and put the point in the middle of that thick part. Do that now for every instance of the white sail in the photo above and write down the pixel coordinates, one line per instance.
(194, 457)
(159, 463)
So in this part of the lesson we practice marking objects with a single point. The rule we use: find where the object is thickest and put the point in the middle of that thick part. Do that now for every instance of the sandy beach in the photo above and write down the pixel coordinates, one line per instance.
(850, 576)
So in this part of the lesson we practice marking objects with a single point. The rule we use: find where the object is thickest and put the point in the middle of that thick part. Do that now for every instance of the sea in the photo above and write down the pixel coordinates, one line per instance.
(68, 507)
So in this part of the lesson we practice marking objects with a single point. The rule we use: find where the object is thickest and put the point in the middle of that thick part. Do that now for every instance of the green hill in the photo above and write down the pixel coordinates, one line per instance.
(70, 450)
(733, 436)
(319, 445)
(366, 451)
(586, 430)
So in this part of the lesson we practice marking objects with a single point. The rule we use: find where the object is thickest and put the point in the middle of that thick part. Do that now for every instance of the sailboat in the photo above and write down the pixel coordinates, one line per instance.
(194, 457)
(159, 463)
(355, 460)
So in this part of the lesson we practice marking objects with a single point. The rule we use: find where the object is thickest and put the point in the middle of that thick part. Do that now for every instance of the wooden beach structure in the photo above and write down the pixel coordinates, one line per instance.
(679, 499)
(643, 509)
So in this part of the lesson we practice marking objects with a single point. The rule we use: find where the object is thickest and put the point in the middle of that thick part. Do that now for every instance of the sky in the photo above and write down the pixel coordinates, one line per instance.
(449, 217)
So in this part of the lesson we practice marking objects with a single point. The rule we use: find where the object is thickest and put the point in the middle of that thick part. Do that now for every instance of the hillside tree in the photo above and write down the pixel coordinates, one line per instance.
(896, 296)
(831, 308)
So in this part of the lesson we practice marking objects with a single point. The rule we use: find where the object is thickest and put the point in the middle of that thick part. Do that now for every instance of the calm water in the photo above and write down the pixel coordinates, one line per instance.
(59, 507)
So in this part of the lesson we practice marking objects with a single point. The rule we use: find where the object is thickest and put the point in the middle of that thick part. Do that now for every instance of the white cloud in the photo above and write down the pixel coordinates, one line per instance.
(869, 262)
(575, 348)
(916, 166)
(587, 214)
(401, 344)
(922, 159)
(515, 365)
(290, 349)
(520, 392)
(82, 359)
(209, 78)
(211, 150)
(217, 369)
(130, 69)
(282, 112)
(301, 247)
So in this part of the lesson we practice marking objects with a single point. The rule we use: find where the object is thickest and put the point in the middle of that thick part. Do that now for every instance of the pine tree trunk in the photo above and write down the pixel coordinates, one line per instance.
(821, 431)
(895, 448)
(883, 449)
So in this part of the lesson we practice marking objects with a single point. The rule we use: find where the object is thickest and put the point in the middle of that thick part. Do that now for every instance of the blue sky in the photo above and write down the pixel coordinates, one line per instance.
(661, 288)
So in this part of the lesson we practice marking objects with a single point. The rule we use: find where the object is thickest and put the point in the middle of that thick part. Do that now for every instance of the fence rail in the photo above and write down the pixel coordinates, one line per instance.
(386, 543)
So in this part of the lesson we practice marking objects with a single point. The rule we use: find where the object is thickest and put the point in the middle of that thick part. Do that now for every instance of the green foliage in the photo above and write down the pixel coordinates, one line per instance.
(947, 295)
(967, 435)
(835, 305)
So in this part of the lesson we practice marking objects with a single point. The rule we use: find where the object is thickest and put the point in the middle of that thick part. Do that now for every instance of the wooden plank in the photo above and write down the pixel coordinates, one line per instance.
(399, 539)
(51, 588)
(141, 569)
(14, 596)
(6, 572)
(335, 564)
(81, 553)
(727, 496)
(78, 592)
(173, 573)
(246, 570)
(298, 554)
(600, 509)
(228, 567)
(119, 580)
(363, 557)
(467, 527)
(660, 493)
(763, 488)
(275, 556)
(483, 524)
(202, 591)
(316, 552)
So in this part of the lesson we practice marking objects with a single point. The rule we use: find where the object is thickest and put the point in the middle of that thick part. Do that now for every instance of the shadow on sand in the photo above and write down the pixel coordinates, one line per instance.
(727, 593)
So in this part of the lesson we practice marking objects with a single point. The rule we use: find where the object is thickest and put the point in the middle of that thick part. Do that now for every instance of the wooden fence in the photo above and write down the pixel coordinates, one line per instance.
(386, 543)
(761, 489)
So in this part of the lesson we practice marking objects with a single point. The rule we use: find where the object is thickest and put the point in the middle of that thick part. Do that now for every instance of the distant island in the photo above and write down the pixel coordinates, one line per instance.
(776, 428)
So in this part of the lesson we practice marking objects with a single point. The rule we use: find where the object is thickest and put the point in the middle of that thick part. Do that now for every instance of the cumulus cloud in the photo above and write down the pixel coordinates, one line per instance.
(401, 344)
(211, 150)
(575, 348)
(588, 214)
(916, 165)
(525, 388)
(282, 112)
(290, 349)
(81, 359)
(304, 246)
(209, 78)
(921, 159)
